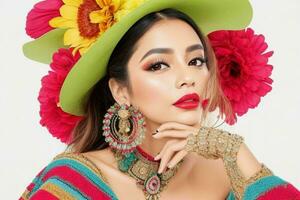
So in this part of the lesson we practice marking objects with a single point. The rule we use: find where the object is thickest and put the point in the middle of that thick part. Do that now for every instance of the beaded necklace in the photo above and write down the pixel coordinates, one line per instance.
(143, 168)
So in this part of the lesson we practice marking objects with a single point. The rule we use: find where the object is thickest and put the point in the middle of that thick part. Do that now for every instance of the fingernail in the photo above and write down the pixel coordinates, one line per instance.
(156, 131)
(159, 171)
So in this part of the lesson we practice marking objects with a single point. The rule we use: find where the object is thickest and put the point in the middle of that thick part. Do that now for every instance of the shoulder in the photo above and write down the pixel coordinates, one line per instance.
(102, 158)
(69, 175)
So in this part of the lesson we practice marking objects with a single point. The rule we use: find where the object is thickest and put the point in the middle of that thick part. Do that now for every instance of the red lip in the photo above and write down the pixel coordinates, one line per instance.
(188, 101)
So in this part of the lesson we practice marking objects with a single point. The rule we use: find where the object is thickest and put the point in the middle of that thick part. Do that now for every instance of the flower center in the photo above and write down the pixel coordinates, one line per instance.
(235, 70)
(86, 28)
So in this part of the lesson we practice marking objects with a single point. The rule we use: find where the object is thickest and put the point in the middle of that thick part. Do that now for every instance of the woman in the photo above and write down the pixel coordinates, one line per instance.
(143, 83)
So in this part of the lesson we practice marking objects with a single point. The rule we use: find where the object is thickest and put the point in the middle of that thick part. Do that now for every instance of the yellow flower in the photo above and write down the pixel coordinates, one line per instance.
(86, 20)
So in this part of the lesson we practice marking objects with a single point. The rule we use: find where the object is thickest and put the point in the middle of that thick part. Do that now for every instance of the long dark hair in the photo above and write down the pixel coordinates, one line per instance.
(87, 135)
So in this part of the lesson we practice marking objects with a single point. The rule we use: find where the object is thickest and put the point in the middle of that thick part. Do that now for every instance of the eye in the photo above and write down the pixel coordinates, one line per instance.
(156, 65)
(199, 61)
(159, 62)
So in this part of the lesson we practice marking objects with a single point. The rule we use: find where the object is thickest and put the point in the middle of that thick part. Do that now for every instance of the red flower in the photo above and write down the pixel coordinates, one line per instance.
(38, 18)
(243, 69)
(59, 123)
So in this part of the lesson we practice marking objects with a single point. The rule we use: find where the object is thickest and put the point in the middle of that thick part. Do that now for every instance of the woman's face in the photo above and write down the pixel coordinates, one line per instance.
(176, 70)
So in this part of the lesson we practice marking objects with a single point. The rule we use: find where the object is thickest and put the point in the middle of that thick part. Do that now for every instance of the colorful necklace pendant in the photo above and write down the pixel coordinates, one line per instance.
(153, 187)
(142, 167)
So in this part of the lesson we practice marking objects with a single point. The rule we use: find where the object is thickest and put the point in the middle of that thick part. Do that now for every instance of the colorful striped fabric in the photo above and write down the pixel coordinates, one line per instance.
(69, 176)
(73, 176)
(269, 188)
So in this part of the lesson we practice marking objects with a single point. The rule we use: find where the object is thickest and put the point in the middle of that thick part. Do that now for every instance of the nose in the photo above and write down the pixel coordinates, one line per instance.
(185, 77)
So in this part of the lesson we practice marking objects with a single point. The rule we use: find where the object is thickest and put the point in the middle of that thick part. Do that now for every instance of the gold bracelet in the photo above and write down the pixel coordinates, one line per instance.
(213, 143)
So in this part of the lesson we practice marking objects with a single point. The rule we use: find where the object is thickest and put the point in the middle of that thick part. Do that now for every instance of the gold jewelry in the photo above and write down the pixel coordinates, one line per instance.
(123, 127)
(214, 143)
(142, 167)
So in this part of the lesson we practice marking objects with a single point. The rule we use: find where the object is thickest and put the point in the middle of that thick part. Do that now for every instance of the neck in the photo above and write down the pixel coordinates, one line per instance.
(150, 145)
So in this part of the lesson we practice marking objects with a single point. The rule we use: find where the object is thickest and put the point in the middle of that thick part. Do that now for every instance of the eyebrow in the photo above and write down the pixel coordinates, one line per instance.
(169, 51)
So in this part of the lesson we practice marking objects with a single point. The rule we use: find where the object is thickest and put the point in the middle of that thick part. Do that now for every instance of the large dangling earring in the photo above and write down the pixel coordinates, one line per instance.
(124, 127)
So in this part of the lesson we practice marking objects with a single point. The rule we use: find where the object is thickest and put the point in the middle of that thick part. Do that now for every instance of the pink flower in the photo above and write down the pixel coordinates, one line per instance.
(59, 123)
(38, 18)
(243, 69)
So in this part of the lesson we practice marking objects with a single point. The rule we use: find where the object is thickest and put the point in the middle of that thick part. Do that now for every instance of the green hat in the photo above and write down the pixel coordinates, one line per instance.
(209, 15)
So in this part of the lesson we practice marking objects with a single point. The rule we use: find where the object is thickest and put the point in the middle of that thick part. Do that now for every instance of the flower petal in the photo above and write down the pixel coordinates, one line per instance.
(69, 12)
(97, 16)
(60, 22)
(58, 123)
(75, 3)
(72, 37)
(117, 4)
(243, 68)
(101, 3)
(38, 18)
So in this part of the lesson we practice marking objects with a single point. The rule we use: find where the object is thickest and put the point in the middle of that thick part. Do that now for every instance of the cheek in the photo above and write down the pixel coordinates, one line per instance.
(149, 90)
(151, 95)
(205, 75)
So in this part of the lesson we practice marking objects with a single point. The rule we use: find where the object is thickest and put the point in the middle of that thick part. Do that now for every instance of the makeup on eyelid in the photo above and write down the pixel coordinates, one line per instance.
(149, 64)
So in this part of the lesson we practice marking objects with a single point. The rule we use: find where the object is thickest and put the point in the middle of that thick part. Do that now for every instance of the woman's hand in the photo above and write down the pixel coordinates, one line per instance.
(179, 133)
(211, 143)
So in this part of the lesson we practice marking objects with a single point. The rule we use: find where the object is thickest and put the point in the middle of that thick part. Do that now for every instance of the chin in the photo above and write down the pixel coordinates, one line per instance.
(188, 120)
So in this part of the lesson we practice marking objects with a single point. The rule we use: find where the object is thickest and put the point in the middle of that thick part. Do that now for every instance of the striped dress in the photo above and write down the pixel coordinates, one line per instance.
(73, 176)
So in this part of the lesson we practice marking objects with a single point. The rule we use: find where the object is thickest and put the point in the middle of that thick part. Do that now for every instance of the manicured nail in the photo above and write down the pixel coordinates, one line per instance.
(156, 131)
(159, 171)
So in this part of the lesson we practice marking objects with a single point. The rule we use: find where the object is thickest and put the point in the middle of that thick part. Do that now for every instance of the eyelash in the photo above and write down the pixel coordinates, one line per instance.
(162, 61)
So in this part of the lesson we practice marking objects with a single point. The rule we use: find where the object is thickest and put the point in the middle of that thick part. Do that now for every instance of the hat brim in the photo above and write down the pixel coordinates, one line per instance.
(209, 15)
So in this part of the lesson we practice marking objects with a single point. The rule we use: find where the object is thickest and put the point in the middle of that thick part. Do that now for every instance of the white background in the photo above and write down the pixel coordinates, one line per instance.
(271, 131)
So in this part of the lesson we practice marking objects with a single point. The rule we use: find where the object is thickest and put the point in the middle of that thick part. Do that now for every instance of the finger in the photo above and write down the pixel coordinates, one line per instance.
(173, 133)
(167, 155)
(173, 125)
(178, 156)
(171, 143)
(168, 143)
